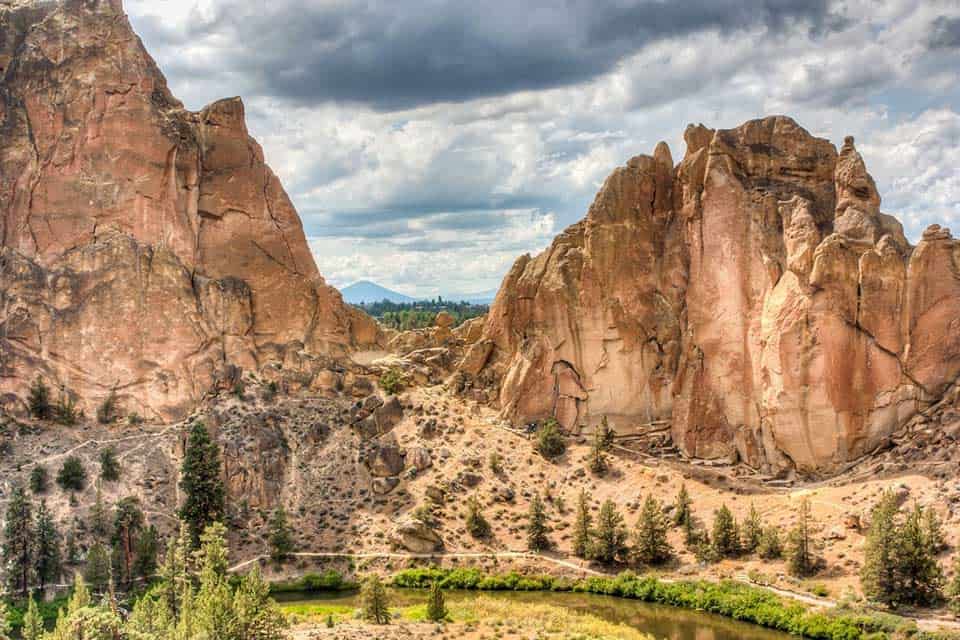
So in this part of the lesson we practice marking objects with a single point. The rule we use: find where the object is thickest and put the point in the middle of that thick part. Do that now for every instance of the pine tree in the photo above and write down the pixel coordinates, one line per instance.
(550, 441)
(878, 577)
(39, 400)
(281, 540)
(109, 465)
(800, 558)
(72, 552)
(99, 519)
(537, 525)
(682, 516)
(919, 577)
(97, 570)
(39, 480)
(128, 523)
(752, 531)
(610, 537)
(201, 482)
(373, 599)
(213, 611)
(598, 459)
(770, 547)
(175, 585)
(477, 525)
(258, 617)
(18, 546)
(582, 534)
(933, 530)
(651, 545)
(726, 536)
(32, 622)
(953, 591)
(47, 559)
(436, 607)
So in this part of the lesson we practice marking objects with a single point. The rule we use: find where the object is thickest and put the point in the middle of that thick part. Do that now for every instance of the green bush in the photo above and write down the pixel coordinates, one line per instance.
(393, 381)
(329, 580)
(550, 441)
(72, 476)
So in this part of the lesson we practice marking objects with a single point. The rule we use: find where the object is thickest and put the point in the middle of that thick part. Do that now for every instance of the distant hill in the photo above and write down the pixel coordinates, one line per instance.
(481, 297)
(365, 291)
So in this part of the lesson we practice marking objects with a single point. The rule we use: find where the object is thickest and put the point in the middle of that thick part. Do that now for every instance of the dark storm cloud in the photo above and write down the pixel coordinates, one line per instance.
(945, 33)
(402, 54)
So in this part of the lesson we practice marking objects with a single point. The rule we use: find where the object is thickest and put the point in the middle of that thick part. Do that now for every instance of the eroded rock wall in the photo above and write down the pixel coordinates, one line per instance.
(753, 295)
(145, 248)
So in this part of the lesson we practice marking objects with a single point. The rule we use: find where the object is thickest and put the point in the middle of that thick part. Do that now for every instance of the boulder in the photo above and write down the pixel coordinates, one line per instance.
(416, 536)
(385, 460)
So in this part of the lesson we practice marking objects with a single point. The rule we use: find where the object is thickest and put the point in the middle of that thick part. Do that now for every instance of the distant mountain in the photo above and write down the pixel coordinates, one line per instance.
(481, 297)
(365, 291)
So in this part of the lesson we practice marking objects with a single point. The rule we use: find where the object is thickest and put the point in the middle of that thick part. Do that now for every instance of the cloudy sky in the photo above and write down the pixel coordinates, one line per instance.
(428, 143)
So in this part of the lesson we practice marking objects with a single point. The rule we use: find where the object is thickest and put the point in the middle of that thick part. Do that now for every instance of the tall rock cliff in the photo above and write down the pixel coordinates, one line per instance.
(753, 296)
(146, 248)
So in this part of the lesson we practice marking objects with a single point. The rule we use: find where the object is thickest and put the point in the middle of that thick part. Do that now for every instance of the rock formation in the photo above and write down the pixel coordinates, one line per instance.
(146, 248)
(753, 296)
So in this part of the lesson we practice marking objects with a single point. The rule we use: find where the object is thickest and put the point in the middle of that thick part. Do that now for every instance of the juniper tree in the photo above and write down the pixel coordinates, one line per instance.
(537, 525)
(201, 482)
(38, 400)
(800, 558)
(610, 537)
(582, 533)
(598, 459)
(550, 441)
(39, 480)
(878, 577)
(752, 531)
(651, 545)
(373, 599)
(72, 476)
(770, 547)
(726, 536)
(436, 607)
(18, 538)
(477, 524)
(682, 517)
(281, 539)
(47, 558)
(109, 465)
(919, 577)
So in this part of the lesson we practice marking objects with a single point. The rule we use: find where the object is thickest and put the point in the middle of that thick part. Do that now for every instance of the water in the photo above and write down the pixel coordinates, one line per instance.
(660, 621)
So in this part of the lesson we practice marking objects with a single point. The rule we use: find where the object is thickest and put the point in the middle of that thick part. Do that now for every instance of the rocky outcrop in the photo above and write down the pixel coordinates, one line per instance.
(753, 296)
(145, 248)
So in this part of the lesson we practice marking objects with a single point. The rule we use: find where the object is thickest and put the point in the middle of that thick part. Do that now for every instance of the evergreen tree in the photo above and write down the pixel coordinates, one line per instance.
(477, 525)
(800, 558)
(72, 553)
(651, 545)
(32, 622)
(582, 534)
(4, 621)
(373, 599)
(752, 531)
(607, 435)
(953, 591)
(99, 519)
(18, 546)
(65, 411)
(128, 523)
(147, 546)
(39, 480)
(47, 558)
(258, 617)
(72, 476)
(878, 577)
(933, 530)
(436, 607)
(213, 607)
(682, 516)
(610, 538)
(201, 482)
(109, 465)
(107, 410)
(39, 400)
(537, 525)
(598, 459)
(919, 577)
(175, 587)
(97, 571)
(550, 441)
(770, 547)
(281, 539)
(726, 536)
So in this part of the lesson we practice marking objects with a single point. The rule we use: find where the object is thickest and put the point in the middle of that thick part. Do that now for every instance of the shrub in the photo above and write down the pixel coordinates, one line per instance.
(39, 479)
(109, 465)
(72, 476)
(38, 400)
(393, 381)
(66, 410)
(550, 441)
(477, 525)
(106, 412)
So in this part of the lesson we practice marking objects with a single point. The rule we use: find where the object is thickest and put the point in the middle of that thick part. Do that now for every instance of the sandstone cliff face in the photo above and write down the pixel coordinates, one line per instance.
(753, 296)
(145, 247)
